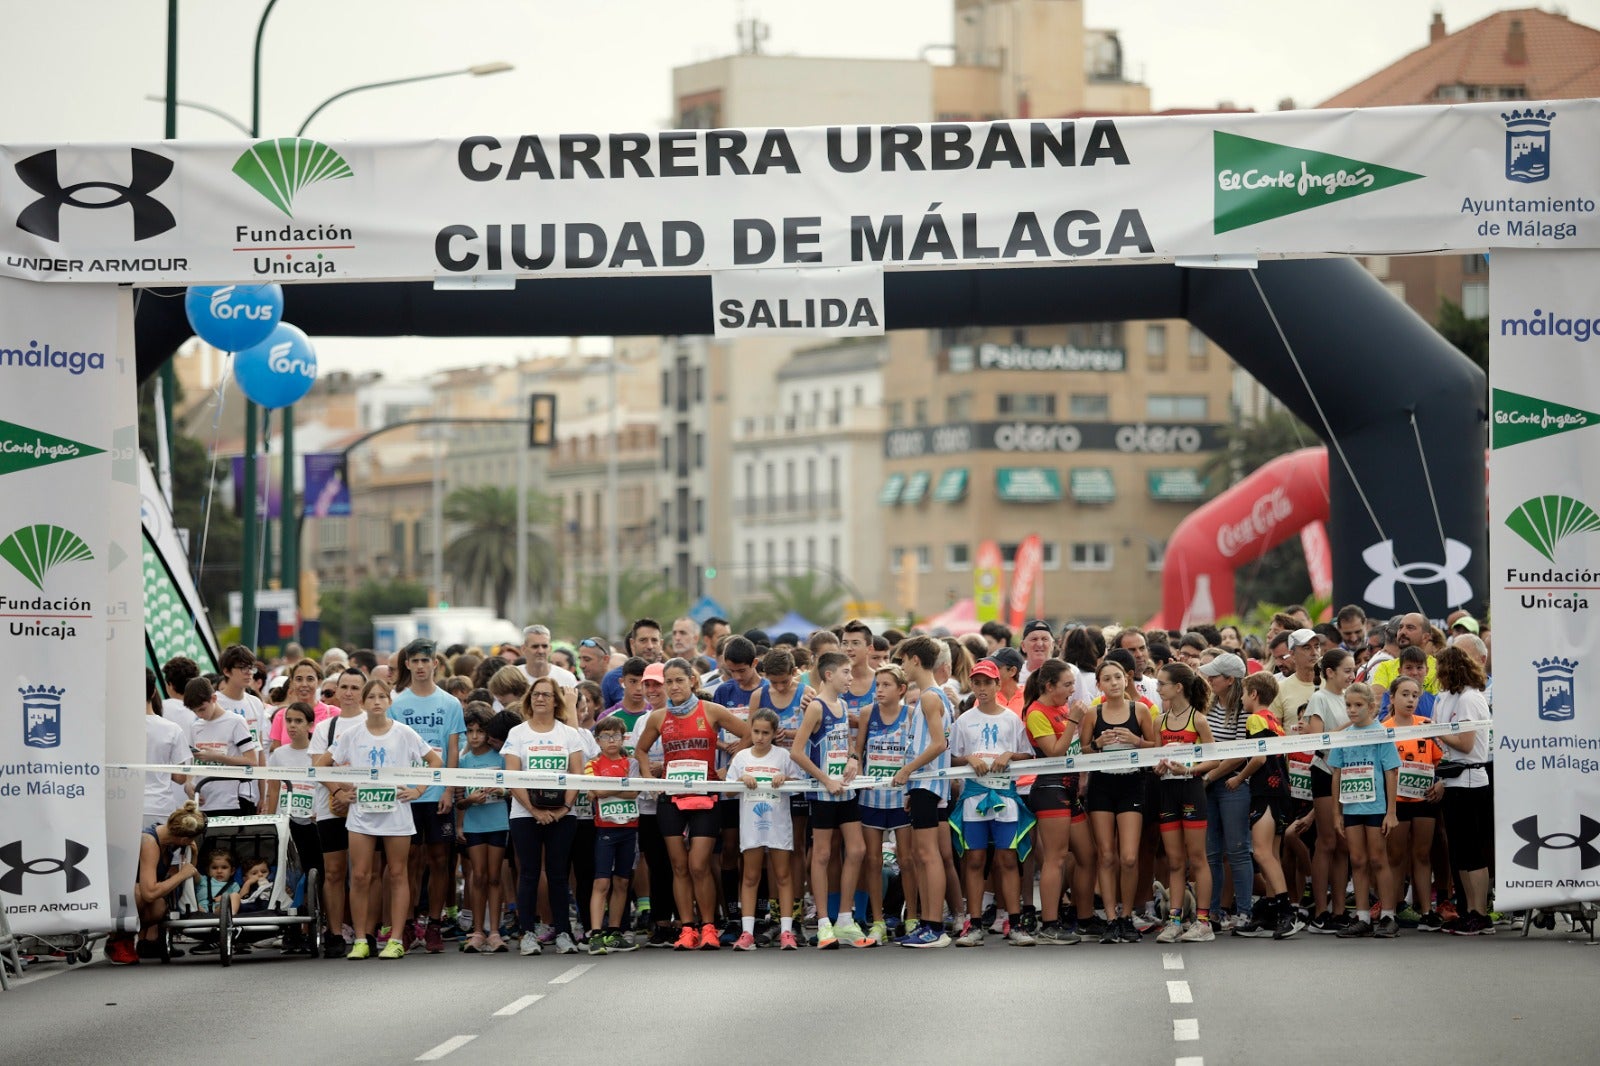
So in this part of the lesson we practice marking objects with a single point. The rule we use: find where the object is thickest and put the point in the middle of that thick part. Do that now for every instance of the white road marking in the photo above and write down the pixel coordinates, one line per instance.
(1171, 961)
(572, 974)
(445, 1048)
(1178, 992)
(1189, 1060)
(517, 1005)
(1185, 1029)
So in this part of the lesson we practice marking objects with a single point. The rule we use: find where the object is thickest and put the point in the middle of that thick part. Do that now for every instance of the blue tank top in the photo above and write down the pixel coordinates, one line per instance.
(832, 735)
(920, 739)
(788, 717)
(163, 867)
(888, 748)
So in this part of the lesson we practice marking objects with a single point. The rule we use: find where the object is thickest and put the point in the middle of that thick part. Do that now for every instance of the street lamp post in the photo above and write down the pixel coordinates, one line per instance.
(288, 561)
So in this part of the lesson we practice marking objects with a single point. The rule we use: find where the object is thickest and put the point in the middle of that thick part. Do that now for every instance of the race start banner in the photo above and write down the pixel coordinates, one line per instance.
(64, 441)
(1544, 538)
(1388, 180)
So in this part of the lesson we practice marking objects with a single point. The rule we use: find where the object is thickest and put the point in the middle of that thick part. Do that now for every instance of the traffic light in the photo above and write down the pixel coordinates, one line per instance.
(542, 420)
(711, 573)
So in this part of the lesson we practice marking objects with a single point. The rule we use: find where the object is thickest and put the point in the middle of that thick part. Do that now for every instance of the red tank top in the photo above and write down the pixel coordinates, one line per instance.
(690, 739)
(1185, 736)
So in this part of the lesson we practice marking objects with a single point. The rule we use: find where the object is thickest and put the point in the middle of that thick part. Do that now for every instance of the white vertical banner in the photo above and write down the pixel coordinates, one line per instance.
(1544, 540)
(58, 374)
(125, 656)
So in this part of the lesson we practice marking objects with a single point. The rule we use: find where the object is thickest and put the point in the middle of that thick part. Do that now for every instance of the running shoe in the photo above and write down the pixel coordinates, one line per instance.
(415, 933)
(927, 936)
(746, 942)
(1112, 933)
(851, 933)
(708, 938)
(394, 949)
(361, 949)
(617, 943)
(433, 938)
(1021, 938)
(826, 939)
(1130, 932)
(545, 933)
(121, 950)
(1386, 929)
(911, 930)
(878, 933)
(989, 914)
(463, 920)
(972, 937)
(1171, 931)
(731, 930)
(1029, 918)
(1053, 934)
(1322, 925)
(1144, 922)
(334, 947)
(1408, 917)
(474, 944)
(1358, 928)
(1448, 912)
(660, 937)
(1430, 922)
(495, 944)
(530, 945)
(688, 939)
(1094, 926)
(1471, 924)
(1000, 924)
(384, 932)
(597, 944)
(1198, 932)
(1255, 927)
(1289, 924)
(787, 942)
(641, 920)
(564, 944)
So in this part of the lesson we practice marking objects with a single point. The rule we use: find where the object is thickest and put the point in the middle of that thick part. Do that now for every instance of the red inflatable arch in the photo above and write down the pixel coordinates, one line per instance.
(1260, 512)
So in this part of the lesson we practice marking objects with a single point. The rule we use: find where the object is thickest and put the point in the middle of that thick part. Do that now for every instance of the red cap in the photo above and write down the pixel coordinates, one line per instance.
(986, 668)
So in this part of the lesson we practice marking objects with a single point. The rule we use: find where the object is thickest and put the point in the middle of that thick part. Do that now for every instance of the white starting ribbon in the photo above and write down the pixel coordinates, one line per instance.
(1110, 760)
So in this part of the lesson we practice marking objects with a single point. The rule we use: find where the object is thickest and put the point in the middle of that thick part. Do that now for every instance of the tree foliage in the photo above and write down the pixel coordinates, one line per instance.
(640, 594)
(812, 596)
(1469, 335)
(482, 557)
(347, 613)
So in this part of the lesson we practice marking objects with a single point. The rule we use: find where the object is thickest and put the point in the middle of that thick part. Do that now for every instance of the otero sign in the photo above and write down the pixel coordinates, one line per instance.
(1131, 438)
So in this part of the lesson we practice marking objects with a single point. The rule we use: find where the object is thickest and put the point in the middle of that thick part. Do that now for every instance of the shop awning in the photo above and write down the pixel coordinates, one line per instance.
(1028, 484)
(891, 490)
(952, 485)
(1093, 484)
(1181, 485)
(916, 487)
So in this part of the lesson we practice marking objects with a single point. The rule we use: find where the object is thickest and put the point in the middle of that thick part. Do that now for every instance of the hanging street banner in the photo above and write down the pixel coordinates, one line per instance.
(1293, 183)
(327, 492)
(818, 302)
(1544, 538)
(64, 447)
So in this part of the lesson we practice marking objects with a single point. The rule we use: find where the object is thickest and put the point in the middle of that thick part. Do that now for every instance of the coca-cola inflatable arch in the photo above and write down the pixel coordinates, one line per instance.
(1254, 516)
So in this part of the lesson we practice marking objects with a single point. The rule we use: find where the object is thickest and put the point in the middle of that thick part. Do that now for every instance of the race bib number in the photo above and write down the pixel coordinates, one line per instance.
(617, 811)
(884, 765)
(1300, 780)
(1414, 780)
(837, 759)
(207, 749)
(546, 759)
(583, 807)
(691, 770)
(376, 799)
(301, 805)
(1358, 784)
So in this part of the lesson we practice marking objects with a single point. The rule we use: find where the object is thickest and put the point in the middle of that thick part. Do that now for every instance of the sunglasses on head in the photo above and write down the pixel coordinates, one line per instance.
(590, 642)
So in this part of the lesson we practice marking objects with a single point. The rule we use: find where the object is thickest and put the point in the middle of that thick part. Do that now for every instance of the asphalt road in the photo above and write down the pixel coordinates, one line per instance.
(1425, 998)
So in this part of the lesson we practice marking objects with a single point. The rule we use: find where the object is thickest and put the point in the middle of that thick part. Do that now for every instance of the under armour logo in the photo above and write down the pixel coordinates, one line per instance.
(1528, 829)
(11, 855)
(1380, 557)
(147, 173)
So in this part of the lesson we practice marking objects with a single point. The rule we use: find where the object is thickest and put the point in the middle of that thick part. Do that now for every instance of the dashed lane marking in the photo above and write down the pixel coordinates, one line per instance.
(1189, 1060)
(1178, 992)
(1171, 960)
(572, 974)
(1185, 1029)
(435, 1054)
(517, 1005)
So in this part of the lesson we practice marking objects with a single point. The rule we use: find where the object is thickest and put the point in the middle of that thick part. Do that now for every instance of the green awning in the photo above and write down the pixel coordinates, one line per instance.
(1093, 484)
(916, 487)
(1028, 484)
(891, 490)
(952, 485)
(1181, 485)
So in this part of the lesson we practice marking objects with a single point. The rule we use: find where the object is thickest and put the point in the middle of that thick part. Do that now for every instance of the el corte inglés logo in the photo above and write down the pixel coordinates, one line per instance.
(1260, 180)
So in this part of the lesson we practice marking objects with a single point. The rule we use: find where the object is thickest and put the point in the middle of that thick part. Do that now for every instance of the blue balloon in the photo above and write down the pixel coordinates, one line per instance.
(233, 317)
(279, 370)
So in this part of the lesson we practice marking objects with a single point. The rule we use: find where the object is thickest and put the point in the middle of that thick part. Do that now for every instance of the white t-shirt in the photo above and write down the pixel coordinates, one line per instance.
(165, 744)
(559, 674)
(1468, 705)
(647, 798)
(174, 711)
(226, 734)
(986, 736)
(764, 820)
(320, 746)
(297, 799)
(1331, 712)
(542, 751)
(254, 714)
(1147, 688)
(378, 811)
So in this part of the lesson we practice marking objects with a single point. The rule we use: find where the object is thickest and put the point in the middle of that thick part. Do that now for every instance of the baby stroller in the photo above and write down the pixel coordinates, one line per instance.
(259, 834)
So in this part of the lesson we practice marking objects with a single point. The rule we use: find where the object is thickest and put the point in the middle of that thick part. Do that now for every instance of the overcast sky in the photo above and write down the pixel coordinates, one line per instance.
(80, 69)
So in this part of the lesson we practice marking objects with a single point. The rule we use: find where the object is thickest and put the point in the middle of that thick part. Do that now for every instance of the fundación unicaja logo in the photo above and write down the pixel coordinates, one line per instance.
(1557, 694)
(1545, 521)
(1528, 144)
(1258, 180)
(279, 169)
(41, 715)
(36, 550)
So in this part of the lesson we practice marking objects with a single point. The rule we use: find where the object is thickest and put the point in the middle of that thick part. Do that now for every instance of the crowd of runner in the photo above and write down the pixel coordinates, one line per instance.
(1361, 840)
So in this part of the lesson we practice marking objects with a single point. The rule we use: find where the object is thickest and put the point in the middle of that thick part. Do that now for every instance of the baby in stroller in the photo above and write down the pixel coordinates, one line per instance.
(217, 888)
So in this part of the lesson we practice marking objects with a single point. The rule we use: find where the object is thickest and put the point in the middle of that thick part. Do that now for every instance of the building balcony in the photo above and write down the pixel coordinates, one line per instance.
(805, 424)
(792, 507)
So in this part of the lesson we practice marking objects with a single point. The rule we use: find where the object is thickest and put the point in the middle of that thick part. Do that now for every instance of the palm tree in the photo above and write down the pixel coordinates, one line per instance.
(1251, 445)
(812, 596)
(639, 595)
(482, 557)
